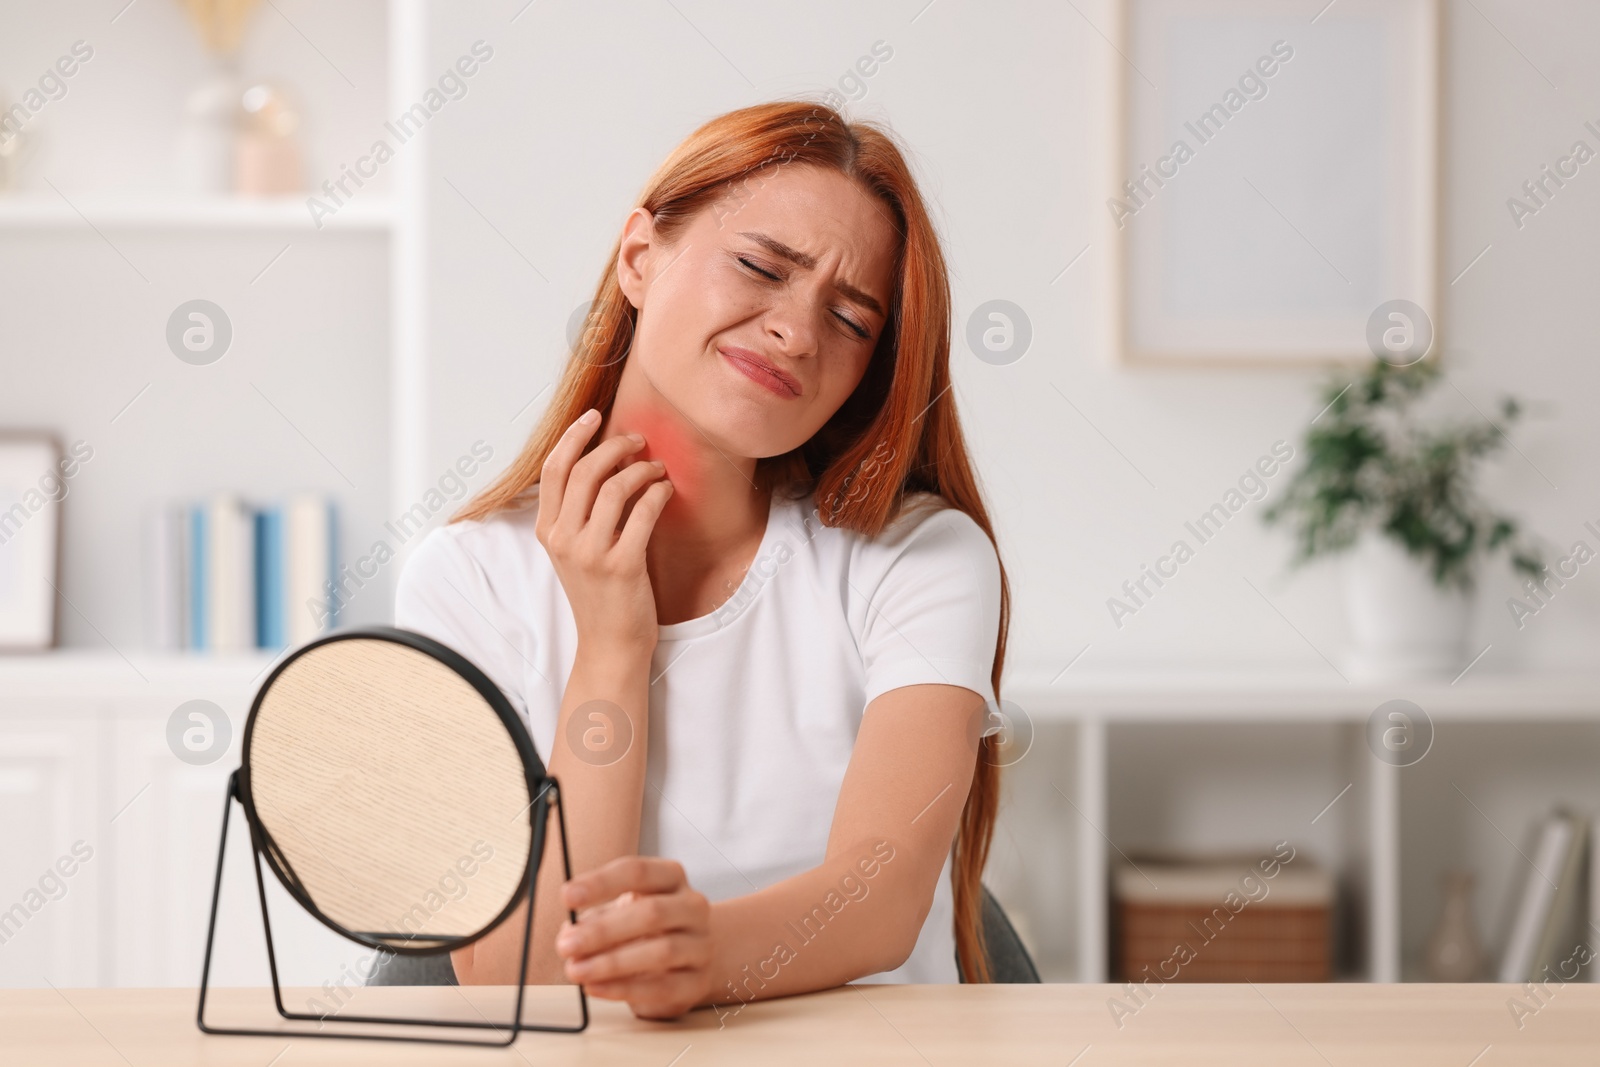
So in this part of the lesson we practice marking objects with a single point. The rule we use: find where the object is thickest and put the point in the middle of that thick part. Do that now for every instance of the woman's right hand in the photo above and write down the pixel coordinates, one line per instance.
(581, 499)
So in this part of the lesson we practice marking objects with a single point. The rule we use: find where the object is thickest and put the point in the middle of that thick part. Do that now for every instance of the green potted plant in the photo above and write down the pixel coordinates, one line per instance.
(1392, 492)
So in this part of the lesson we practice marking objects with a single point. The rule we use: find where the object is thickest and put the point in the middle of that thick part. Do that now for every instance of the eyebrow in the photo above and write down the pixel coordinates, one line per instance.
(778, 248)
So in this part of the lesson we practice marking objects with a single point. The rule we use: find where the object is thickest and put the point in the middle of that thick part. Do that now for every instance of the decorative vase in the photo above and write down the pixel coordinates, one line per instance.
(212, 113)
(1454, 953)
(1402, 624)
(16, 143)
(206, 138)
(266, 160)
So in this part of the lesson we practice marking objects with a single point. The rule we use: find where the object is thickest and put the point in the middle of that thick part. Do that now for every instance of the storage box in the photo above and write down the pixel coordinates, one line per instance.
(1236, 918)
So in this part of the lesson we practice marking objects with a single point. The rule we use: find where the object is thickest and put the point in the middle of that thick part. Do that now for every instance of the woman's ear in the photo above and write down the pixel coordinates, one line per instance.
(633, 255)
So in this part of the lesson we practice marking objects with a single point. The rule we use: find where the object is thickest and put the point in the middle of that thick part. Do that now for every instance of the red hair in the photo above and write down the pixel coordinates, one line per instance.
(898, 432)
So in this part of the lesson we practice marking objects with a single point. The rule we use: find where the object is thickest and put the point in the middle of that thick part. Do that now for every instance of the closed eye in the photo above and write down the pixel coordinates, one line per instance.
(758, 270)
(855, 327)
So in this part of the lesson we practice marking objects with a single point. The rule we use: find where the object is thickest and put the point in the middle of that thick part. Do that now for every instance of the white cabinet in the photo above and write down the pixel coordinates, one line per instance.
(165, 863)
(54, 835)
(164, 851)
(85, 763)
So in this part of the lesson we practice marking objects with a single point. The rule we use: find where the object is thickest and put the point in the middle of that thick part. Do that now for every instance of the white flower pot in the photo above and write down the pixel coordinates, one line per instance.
(1402, 624)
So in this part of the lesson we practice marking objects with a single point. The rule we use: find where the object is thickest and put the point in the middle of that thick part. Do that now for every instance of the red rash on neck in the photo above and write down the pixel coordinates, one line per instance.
(666, 439)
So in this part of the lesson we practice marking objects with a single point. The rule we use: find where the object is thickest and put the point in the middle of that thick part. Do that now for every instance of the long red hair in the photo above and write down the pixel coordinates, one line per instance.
(897, 434)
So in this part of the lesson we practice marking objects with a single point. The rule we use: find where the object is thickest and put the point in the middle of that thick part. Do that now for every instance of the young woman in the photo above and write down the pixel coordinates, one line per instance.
(742, 586)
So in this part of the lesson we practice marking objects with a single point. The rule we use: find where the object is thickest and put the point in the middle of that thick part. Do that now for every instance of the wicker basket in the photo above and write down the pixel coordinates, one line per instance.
(1222, 919)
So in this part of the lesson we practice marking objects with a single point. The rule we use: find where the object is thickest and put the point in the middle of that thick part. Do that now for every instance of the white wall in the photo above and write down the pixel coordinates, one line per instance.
(1003, 110)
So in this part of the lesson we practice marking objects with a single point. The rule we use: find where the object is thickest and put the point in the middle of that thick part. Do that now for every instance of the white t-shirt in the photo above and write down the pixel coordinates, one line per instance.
(754, 708)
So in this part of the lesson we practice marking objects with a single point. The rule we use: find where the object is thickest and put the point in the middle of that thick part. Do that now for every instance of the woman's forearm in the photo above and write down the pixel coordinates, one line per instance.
(600, 762)
(601, 775)
(855, 914)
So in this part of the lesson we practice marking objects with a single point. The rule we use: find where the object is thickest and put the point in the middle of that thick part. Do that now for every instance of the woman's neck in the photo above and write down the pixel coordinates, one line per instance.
(715, 510)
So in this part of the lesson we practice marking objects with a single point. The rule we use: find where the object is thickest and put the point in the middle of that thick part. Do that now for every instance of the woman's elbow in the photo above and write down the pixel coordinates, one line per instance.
(893, 949)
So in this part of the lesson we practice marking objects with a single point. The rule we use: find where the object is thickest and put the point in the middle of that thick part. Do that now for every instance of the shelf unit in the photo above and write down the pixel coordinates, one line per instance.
(1198, 727)
(33, 212)
(1085, 785)
(151, 224)
(84, 752)
(95, 675)
(1265, 694)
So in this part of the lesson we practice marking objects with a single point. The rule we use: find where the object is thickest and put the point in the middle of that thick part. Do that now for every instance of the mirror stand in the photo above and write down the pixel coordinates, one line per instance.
(549, 795)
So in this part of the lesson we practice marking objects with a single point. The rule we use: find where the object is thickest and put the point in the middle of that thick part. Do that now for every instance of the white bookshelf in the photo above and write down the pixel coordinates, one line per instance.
(215, 213)
(332, 400)
(1265, 694)
(94, 674)
(84, 753)
(1110, 740)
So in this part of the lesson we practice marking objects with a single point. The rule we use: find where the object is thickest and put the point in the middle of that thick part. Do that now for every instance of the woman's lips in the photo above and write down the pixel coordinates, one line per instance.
(752, 367)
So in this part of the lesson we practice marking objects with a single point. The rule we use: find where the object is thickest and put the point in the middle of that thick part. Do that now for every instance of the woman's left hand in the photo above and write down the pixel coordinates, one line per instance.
(643, 936)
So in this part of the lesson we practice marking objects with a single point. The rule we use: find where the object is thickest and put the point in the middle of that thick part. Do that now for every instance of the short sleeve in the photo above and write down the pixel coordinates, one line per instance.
(444, 594)
(934, 616)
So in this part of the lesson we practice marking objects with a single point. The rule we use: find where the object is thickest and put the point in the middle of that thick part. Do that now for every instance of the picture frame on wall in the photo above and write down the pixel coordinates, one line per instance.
(1272, 191)
(32, 489)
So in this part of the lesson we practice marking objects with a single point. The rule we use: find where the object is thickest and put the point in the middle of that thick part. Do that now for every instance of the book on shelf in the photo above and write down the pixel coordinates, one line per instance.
(1548, 920)
(310, 567)
(166, 581)
(229, 580)
(223, 575)
(270, 614)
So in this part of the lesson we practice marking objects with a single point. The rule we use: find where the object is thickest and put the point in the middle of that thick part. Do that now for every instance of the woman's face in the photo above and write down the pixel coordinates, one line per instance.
(791, 267)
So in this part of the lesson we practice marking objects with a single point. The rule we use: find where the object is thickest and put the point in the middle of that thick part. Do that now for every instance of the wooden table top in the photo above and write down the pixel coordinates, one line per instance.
(919, 1026)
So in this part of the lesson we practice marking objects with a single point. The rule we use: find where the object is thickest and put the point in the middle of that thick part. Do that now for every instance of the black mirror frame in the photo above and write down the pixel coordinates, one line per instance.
(533, 767)
(544, 790)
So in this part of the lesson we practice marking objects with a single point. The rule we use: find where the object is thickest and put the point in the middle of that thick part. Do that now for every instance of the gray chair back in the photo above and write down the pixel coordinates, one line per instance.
(415, 970)
(1009, 962)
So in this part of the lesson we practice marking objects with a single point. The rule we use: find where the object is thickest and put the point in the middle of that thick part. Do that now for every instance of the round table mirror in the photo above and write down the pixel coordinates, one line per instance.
(392, 786)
